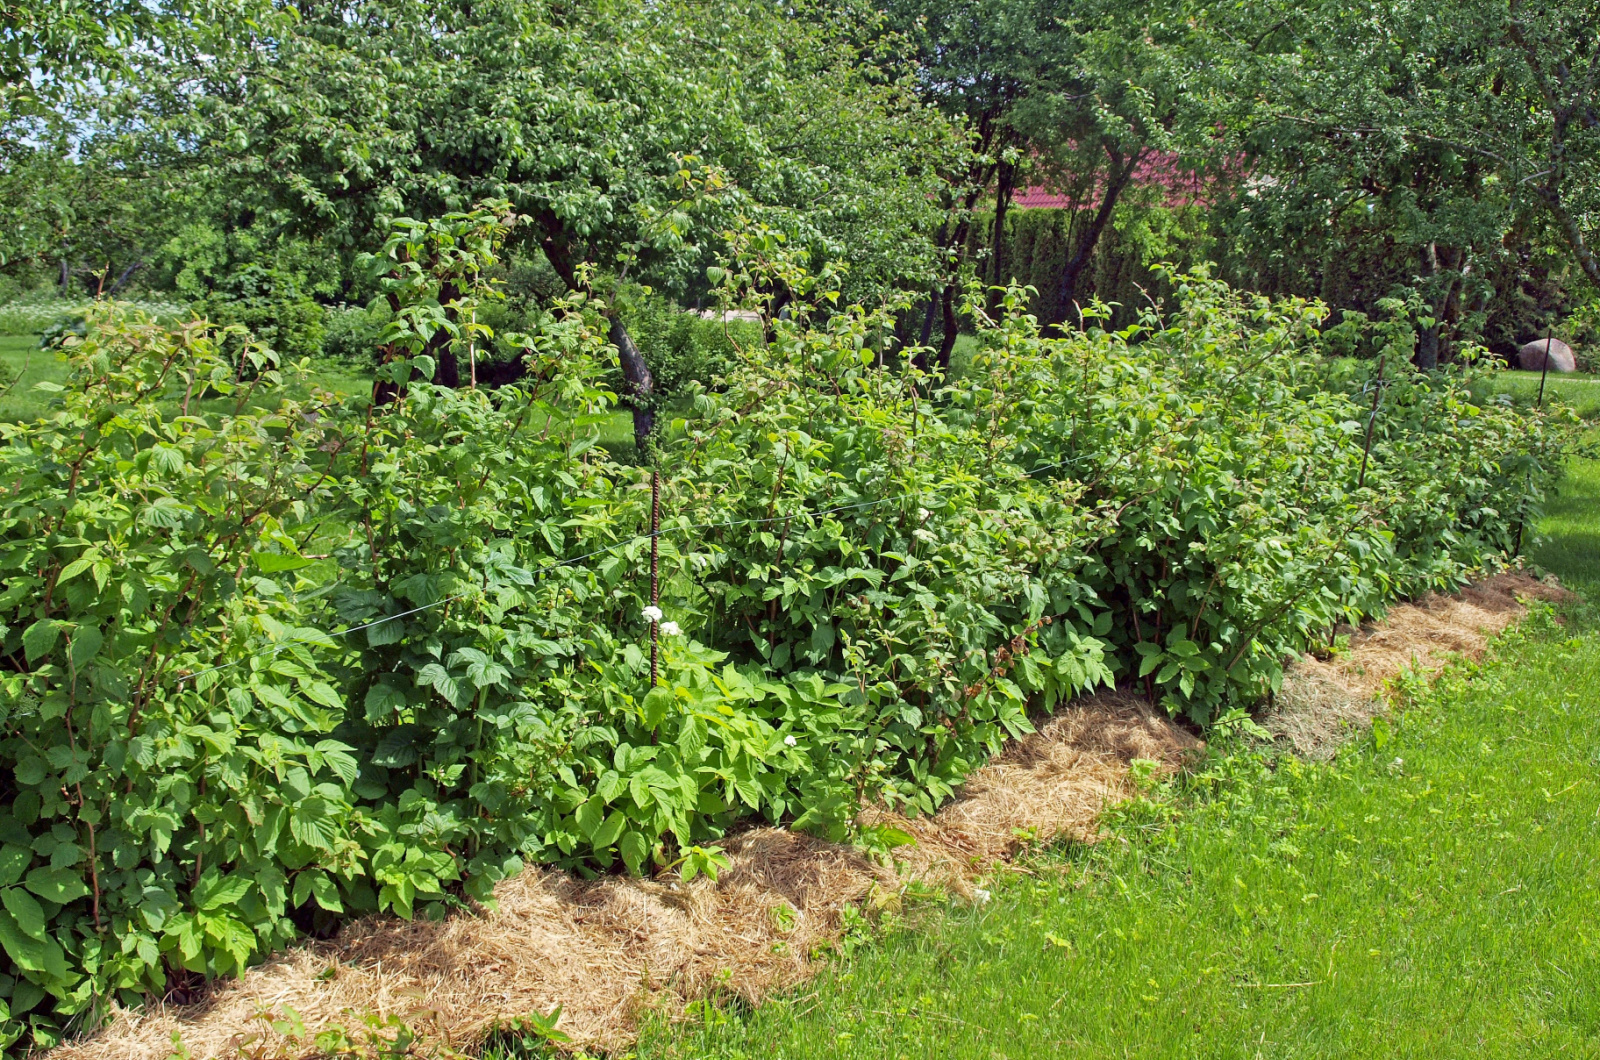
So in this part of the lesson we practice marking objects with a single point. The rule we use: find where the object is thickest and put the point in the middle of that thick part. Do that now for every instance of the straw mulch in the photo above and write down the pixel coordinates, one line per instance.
(1322, 701)
(607, 950)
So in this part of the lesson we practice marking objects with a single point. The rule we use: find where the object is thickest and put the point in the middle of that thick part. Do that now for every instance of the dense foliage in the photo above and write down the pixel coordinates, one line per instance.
(270, 657)
(269, 661)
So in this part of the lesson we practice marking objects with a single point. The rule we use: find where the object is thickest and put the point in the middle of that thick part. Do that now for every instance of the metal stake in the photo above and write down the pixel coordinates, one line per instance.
(655, 560)
(1377, 392)
(1544, 373)
(1544, 369)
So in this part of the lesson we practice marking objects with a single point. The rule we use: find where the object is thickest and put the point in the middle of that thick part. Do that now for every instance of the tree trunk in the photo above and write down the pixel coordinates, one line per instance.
(958, 240)
(446, 372)
(947, 342)
(1117, 177)
(1426, 357)
(1570, 229)
(921, 357)
(122, 277)
(1005, 186)
(638, 384)
(926, 335)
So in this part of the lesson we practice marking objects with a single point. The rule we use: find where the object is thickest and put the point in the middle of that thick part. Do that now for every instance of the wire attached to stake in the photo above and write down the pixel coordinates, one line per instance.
(655, 562)
(573, 561)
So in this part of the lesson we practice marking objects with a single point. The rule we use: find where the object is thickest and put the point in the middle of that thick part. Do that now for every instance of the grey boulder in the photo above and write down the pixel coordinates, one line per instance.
(1530, 357)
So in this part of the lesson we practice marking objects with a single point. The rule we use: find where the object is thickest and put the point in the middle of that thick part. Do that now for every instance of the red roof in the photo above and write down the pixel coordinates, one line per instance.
(1183, 185)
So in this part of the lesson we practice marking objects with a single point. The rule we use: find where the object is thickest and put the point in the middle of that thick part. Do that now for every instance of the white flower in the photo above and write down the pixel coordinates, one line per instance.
(652, 613)
(790, 741)
(923, 513)
(670, 629)
(924, 535)
(981, 895)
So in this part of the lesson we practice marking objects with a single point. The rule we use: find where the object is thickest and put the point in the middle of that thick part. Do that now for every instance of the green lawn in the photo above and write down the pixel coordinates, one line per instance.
(20, 354)
(1434, 894)
(1582, 392)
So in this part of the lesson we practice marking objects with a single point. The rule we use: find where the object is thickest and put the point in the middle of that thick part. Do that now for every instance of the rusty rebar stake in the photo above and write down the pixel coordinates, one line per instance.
(655, 561)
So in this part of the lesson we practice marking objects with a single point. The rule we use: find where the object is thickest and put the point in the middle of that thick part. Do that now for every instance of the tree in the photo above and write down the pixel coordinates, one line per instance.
(62, 195)
(1080, 94)
(1420, 143)
(631, 134)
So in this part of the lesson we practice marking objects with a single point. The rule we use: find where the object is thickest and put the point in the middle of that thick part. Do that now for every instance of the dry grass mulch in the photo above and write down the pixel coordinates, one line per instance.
(1322, 701)
(606, 950)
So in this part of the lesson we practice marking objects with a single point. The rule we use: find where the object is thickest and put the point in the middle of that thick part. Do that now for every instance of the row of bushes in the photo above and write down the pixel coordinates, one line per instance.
(682, 347)
(869, 588)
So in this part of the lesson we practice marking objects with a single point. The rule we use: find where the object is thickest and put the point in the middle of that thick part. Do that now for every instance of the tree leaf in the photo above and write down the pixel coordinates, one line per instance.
(658, 702)
(220, 892)
(31, 954)
(85, 646)
(14, 861)
(692, 738)
(633, 849)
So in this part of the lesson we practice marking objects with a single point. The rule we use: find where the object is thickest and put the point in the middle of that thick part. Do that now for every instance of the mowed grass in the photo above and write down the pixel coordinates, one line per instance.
(1435, 892)
(1581, 392)
(20, 356)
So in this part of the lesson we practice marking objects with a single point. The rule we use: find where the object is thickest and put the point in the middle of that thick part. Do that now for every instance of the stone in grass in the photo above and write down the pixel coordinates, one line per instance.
(1531, 356)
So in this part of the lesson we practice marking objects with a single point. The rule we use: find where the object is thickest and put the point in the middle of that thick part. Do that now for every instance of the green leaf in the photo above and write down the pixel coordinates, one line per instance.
(386, 631)
(436, 676)
(27, 911)
(383, 700)
(39, 638)
(607, 833)
(633, 849)
(76, 567)
(85, 646)
(316, 883)
(31, 954)
(326, 893)
(692, 738)
(56, 885)
(220, 892)
(31, 771)
(658, 703)
(278, 562)
(14, 861)
(590, 816)
(339, 759)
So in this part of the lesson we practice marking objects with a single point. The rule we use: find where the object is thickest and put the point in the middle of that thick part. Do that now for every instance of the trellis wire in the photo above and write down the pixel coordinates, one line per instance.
(653, 537)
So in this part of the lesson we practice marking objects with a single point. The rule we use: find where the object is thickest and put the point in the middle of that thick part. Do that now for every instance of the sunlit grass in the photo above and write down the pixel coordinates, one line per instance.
(1430, 894)
(1582, 392)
